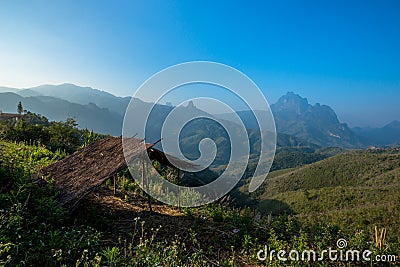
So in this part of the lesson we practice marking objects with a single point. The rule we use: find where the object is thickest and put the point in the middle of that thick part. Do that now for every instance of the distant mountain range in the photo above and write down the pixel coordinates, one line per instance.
(75, 94)
(387, 135)
(302, 123)
(87, 116)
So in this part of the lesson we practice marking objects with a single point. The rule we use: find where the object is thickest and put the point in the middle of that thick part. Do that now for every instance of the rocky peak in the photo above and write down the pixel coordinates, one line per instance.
(292, 102)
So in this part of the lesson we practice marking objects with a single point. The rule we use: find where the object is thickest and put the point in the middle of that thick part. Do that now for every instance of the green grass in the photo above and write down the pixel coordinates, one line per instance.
(349, 169)
(355, 190)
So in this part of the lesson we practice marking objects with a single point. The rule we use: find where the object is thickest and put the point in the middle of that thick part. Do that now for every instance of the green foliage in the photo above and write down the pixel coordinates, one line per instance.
(18, 162)
(64, 136)
(293, 157)
(36, 129)
(33, 230)
(112, 256)
(35, 119)
(355, 191)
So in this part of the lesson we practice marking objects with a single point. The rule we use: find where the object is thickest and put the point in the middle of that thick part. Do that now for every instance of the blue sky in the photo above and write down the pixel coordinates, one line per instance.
(341, 53)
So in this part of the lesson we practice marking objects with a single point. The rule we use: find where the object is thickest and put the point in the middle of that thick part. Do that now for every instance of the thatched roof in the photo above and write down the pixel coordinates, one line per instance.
(82, 172)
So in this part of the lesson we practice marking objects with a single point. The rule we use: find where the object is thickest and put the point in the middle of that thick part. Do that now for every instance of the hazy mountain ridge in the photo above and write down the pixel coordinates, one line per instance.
(75, 94)
(89, 116)
(386, 135)
(293, 115)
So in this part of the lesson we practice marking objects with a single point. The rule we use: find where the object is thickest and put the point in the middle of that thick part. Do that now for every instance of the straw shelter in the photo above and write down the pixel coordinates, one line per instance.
(84, 171)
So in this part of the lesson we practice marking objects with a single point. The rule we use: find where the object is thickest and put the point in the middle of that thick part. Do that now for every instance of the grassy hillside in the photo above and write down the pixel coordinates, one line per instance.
(353, 190)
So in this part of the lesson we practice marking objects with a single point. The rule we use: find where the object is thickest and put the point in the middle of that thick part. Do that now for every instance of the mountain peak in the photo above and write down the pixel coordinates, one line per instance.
(292, 102)
(292, 94)
(317, 123)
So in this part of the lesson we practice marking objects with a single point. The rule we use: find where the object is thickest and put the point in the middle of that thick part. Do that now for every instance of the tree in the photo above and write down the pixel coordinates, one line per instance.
(64, 136)
(20, 109)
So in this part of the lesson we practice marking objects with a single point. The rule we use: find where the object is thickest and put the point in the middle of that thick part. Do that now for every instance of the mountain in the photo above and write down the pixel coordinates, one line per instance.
(293, 114)
(247, 117)
(196, 130)
(104, 121)
(386, 135)
(4, 89)
(27, 93)
(76, 94)
(85, 95)
(317, 123)
(89, 116)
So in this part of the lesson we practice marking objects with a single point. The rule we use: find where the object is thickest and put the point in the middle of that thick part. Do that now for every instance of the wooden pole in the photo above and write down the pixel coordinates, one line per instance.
(142, 161)
(180, 176)
(179, 190)
(115, 185)
(146, 182)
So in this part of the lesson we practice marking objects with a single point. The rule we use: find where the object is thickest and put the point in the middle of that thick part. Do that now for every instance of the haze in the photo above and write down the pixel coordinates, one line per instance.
(340, 53)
